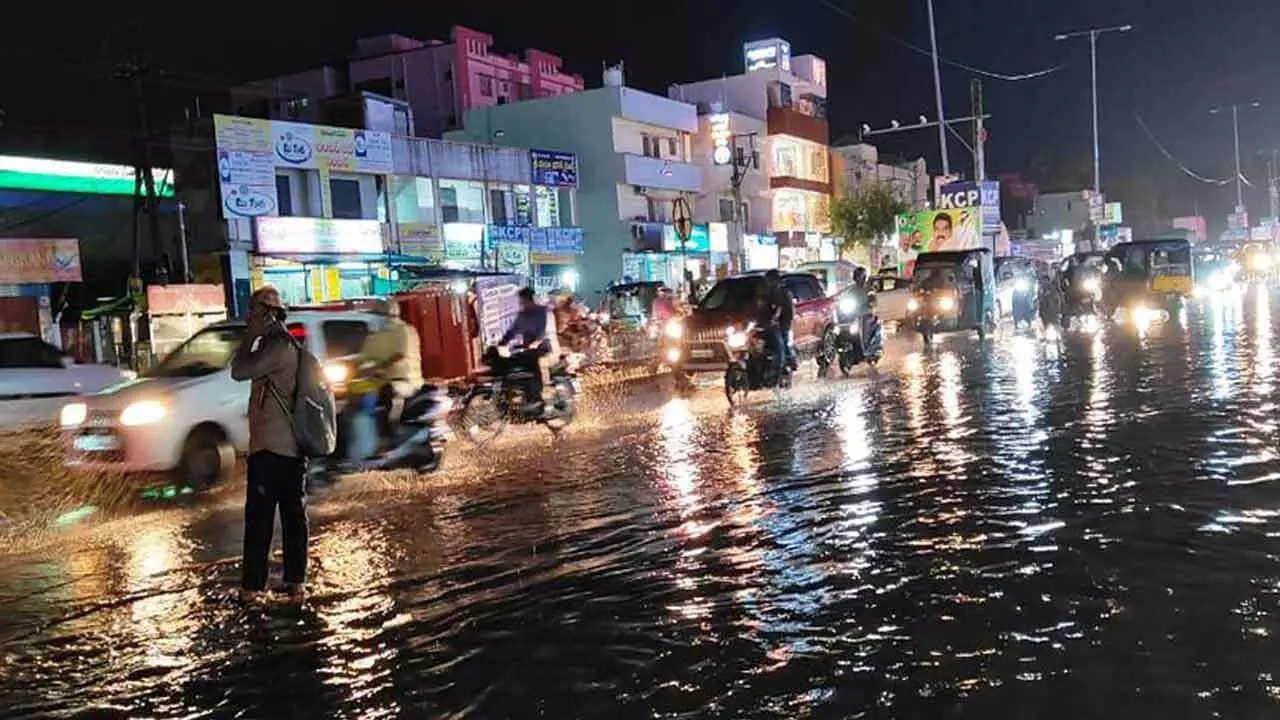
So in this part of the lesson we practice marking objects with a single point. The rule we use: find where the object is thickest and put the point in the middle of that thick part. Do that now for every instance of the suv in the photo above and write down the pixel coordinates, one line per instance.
(700, 346)
(186, 414)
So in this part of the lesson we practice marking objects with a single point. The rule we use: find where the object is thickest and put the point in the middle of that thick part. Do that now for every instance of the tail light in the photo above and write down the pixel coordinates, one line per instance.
(299, 332)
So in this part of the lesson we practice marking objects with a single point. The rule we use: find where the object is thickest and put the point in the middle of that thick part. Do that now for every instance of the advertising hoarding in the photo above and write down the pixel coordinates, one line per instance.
(39, 261)
(971, 194)
(318, 236)
(28, 173)
(250, 149)
(553, 168)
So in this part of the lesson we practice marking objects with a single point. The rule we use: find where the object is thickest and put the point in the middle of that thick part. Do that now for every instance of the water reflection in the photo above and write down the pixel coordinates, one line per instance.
(982, 530)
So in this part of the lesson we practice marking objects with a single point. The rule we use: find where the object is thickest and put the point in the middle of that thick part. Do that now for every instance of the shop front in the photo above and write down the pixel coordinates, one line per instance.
(312, 260)
(660, 256)
(28, 269)
(548, 256)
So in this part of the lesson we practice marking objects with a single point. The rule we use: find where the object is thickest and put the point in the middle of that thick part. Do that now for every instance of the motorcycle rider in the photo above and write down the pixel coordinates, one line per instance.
(530, 325)
(392, 356)
(777, 312)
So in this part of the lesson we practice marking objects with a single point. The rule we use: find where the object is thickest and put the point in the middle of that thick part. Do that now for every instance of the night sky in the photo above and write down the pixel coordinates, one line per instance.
(1183, 58)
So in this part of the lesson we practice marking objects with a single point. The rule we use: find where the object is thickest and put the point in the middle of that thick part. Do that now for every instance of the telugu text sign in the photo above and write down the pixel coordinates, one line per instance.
(38, 261)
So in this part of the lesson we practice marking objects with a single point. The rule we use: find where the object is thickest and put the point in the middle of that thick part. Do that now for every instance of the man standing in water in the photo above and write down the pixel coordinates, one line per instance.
(268, 357)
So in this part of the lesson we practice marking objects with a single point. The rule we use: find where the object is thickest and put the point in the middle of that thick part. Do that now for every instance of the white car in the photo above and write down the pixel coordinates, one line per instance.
(892, 295)
(186, 414)
(36, 378)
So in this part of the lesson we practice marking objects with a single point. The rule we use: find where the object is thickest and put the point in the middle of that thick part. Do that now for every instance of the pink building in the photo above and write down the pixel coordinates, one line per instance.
(440, 81)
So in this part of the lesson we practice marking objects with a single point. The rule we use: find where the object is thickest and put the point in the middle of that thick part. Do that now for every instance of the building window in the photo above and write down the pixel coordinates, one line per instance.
(486, 85)
(461, 201)
(413, 199)
(344, 199)
(555, 206)
(726, 210)
(673, 147)
(498, 209)
(284, 196)
(659, 210)
(785, 160)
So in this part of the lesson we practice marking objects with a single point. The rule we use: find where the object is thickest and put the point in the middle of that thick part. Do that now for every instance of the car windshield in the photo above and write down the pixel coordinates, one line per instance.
(205, 353)
(1171, 256)
(933, 277)
(733, 294)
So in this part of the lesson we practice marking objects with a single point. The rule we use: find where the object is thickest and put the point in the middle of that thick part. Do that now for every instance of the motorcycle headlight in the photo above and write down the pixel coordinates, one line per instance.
(736, 340)
(143, 412)
(946, 303)
(848, 306)
(335, 373)
(73, 414)
(674, 329)
(1261, 261)
(1091, 285)
(1022, 285)
(913, 305)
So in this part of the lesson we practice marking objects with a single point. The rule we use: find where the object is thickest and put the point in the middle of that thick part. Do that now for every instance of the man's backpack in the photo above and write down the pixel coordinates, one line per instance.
(314, 414)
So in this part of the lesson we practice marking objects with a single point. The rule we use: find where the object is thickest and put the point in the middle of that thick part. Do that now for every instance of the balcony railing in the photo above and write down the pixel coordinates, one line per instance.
(789, 121)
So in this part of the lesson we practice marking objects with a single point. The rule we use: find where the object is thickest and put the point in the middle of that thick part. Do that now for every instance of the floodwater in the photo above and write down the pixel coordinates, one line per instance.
(1030, 528)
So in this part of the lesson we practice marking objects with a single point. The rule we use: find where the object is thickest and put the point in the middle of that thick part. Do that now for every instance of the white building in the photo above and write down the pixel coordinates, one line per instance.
(859, 163)
(782, 100)
(634, 153)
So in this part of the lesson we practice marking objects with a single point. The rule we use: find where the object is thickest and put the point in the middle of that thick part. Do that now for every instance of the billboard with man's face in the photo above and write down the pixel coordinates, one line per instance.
(935, 230)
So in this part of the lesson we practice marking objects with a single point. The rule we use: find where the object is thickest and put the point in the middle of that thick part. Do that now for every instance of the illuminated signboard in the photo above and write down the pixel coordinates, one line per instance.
(774, 52)
(721, 139)
(318, 236)
(27, 173)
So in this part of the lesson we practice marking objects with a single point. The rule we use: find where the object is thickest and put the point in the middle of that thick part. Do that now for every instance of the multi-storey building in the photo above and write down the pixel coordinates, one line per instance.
(779, 103)
(634, 151)
(439, 81)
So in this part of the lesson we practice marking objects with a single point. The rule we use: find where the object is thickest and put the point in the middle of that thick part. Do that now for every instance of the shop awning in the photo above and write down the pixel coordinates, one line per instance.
(387, 258)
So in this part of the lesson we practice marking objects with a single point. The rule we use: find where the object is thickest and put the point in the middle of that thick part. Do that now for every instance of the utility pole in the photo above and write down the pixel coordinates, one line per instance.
(744, 159)
(979, 132)
(937, 94)
(1092, 34)
(144, 181)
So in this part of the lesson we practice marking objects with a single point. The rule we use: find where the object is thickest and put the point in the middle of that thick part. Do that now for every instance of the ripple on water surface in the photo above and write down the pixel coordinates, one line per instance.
(1034, 527)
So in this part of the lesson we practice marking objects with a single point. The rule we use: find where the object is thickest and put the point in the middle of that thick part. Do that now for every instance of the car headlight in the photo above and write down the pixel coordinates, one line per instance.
(736, 340)
(143, 412)
(848, 306)
(674, 329)
(73, 414)
(335, 373)
(1261, 261)
(913, 305)
(1022, 285)
(946, 303)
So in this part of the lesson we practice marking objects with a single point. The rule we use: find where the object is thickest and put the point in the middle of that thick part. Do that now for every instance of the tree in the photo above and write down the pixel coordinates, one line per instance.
(867, 213)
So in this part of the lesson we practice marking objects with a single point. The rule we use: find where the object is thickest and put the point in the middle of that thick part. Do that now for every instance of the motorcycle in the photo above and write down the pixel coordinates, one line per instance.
(1083, 299)
(750, 366)
(858, 340)
(497, 397)
(416, 442)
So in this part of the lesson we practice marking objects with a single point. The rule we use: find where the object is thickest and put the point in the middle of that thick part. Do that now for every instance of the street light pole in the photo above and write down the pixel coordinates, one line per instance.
(1093, 34)
(1235, 134)
(1235, 139)
(937, 93)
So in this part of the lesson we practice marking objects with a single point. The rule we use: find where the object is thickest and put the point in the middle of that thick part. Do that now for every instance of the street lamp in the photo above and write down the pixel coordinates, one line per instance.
(1235, 133)
(937, 95)
(1093, 34)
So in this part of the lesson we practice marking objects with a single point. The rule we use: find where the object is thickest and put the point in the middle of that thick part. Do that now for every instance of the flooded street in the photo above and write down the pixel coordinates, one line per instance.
(1021, 528)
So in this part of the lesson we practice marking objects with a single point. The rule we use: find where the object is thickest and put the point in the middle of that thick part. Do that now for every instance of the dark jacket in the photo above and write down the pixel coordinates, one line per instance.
(530, 325)
(784, 304)
(269, 358)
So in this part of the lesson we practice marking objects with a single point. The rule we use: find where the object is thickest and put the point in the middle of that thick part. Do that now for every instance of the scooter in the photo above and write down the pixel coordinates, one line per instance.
(859, 342)
(750, 366)
(416, 442)
(497, 397)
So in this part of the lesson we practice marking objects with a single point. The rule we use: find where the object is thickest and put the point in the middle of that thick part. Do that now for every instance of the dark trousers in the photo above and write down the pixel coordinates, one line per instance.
(529, 361)
(775, 341)
(275, 481)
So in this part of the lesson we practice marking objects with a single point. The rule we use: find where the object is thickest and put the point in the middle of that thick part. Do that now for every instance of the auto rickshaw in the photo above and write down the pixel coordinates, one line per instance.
(952, 291)
(1216, 270)
(1016, 289)
(1257, 261)
(1148, 276)
(627, 314)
